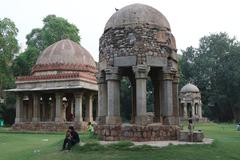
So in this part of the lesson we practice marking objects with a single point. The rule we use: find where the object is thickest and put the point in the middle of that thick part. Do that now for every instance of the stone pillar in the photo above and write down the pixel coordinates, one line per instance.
(141, 75)
(200, 110)
(167, 101)
(19, 108)
(89, 109)
(185, 112)
(175, 98)
(30, 108)
(59, 113)
(36, 108)
(78, 107)
(102, 99)
(113, 92)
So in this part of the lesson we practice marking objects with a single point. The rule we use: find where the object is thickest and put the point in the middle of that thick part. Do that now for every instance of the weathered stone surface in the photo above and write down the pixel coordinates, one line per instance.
(154, 132)
(140, 41)
(196, 136)
(48, 126)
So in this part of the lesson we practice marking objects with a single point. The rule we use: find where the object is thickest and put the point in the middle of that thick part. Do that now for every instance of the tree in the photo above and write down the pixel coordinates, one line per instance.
(8, 47)
(54, 29)
(214, 68)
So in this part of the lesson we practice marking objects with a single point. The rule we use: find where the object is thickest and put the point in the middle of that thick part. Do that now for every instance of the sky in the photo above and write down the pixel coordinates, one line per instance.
(189, 19)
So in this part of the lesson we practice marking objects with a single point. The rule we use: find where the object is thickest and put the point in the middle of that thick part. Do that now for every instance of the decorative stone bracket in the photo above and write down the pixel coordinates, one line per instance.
(141, 71)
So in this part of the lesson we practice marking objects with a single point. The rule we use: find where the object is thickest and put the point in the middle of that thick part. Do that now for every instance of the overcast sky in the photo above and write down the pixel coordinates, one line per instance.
(189, 19)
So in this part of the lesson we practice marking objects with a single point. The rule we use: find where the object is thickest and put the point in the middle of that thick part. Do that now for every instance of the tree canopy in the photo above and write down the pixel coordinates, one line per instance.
(54, 29)
(214, 68)
(8, 47)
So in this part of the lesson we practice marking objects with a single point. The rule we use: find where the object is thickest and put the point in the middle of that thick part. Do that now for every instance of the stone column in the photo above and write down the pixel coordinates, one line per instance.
(59, 113)
(175, 99)
(113, 92)
(102, 99)
(36, 108)
(78, 107)
(167, 101)
(30, 108)
(19, 108)
(185, 110)
(89, 109)
(200, 110)
(141, 75)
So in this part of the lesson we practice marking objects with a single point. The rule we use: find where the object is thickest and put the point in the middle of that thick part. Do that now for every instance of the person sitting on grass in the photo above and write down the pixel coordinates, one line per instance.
(90, 129)
(71, 138)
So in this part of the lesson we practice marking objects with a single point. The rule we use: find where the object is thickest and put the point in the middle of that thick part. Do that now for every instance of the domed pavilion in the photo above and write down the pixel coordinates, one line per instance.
(60, 90)
(137, 43)
(190, 102)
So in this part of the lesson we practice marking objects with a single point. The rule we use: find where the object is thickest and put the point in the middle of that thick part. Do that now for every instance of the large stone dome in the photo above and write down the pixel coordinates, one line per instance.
(64, 55)
(189, 88)
(137, 14)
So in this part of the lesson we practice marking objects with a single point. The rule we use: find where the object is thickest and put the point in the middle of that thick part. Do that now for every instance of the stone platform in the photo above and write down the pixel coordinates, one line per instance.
(151, 132)
(48, 126)
(195, 136)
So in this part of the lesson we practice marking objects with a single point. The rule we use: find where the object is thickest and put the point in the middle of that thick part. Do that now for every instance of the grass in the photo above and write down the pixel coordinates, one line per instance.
(26, 146)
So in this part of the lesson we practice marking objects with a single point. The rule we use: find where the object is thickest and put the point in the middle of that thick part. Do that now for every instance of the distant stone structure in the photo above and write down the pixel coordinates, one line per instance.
(61, 85)
(137, 43)
(190, 102)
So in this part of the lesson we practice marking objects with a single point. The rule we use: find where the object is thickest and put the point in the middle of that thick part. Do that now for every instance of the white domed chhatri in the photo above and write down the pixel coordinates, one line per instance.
(189, 88)
(190, 102)
(137, 14)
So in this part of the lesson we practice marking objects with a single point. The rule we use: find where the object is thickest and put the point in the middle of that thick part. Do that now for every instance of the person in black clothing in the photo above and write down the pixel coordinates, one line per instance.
(71, 139)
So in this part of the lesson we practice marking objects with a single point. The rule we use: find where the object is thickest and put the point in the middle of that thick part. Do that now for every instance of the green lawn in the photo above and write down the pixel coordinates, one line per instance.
(26, 146)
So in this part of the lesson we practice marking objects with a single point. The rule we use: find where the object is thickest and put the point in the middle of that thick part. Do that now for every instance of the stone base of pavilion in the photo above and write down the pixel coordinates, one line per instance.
(48, 126)
(133, 132)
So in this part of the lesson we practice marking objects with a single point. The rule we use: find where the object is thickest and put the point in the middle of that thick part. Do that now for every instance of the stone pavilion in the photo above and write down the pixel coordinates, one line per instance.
(60, 90)
(137, 43)
(190, 102)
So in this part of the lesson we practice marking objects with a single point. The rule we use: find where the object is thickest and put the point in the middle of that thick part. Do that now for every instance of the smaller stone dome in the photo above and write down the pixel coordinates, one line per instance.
(189, 88)
(65, 55)
(137, 14)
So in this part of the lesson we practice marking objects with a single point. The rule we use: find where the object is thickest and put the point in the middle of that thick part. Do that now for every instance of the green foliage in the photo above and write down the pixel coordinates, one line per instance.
(125, 99)
(54, 29)
(8, 47)
(214, 68)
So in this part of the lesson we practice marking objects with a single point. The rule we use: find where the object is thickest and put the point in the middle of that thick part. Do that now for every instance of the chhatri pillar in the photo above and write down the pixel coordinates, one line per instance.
(78, 107)
(102, 98)
(36, 108)
(89, 108)
(59, 108)
(19, 108)
(141, 75)
(113, 92)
